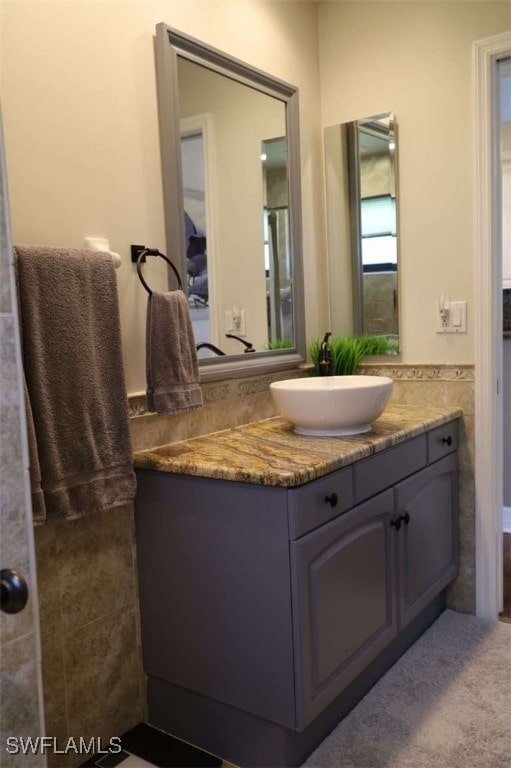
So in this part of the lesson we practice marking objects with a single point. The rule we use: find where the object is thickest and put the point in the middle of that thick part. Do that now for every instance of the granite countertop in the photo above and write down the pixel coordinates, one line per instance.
(269, 452)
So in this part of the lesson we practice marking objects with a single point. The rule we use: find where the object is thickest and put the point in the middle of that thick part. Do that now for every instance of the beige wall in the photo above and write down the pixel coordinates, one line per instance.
(415, 58)
(79, 101)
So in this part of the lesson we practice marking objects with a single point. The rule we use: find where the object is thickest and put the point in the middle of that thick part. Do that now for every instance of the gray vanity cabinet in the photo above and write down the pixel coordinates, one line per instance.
(344, 601)
(268, 612)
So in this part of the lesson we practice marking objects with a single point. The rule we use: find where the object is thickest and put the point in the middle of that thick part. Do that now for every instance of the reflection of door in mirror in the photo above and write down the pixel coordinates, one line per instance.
(197, 163)
(277, 252)
(361, 186)
(240, 121)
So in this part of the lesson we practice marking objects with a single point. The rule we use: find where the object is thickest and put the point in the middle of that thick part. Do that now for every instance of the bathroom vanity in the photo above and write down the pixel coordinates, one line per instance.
(281, 575)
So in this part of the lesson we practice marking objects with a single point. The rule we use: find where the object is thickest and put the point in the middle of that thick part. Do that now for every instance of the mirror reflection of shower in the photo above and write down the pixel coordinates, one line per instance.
(277, 255)
(373, 191)
(363, 226)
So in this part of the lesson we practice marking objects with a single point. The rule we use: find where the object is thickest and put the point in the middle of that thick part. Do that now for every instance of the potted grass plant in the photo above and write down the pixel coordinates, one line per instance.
(347, 352)
(279, 344)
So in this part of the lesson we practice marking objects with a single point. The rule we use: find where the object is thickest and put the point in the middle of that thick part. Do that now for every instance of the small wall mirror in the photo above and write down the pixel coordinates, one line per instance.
(230, 155)
(362, 219)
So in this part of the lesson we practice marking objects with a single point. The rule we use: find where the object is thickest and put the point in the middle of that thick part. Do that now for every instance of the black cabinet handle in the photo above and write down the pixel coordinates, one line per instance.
(332, 499)
(447, 440)
(13, 591)
(401, 519)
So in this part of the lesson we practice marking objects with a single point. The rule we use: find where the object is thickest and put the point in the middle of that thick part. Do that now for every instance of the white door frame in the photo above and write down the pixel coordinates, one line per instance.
(204, 124)
(488, 329)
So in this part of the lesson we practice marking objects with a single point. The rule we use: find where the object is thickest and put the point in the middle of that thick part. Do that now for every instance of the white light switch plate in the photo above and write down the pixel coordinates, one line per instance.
(456, 320)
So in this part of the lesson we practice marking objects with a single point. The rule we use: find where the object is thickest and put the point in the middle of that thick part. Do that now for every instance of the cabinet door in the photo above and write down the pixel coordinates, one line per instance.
(343, 577)
(428, 535)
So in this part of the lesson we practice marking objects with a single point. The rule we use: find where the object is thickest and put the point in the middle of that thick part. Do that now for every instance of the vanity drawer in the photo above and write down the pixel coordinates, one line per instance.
(388, 467)
(442, 440)
(318, 502)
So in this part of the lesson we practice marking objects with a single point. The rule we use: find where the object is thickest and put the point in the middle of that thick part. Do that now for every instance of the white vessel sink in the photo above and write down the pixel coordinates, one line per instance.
(332, 405)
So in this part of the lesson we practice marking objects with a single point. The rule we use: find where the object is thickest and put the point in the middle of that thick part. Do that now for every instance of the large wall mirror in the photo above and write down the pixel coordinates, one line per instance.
(362, 226)
(231, 181)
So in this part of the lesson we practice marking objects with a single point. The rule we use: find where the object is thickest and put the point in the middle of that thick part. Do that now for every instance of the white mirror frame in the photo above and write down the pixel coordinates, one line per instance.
(169, 44)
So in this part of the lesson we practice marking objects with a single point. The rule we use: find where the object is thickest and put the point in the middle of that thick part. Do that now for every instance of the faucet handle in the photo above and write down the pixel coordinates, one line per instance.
(325, 357)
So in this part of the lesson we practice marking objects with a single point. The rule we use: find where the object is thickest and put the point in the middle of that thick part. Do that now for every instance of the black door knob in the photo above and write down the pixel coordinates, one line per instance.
(13, 591)
(447, 440)
(332, 499)
(405, 518)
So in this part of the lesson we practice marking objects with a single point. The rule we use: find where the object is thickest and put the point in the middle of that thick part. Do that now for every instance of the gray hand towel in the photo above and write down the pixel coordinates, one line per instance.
(171, 357)
(82, 458)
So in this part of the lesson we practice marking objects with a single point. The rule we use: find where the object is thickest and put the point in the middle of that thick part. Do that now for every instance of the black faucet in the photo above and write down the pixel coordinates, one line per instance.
(207, 345)
(249, 347)
(325, 357)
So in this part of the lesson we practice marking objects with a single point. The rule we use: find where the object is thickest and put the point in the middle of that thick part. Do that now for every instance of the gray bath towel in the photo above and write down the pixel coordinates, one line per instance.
(171, 357)
(38, 503)
(77, 404)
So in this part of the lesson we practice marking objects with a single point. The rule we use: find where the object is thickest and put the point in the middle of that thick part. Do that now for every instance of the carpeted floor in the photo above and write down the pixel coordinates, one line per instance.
(445, 704)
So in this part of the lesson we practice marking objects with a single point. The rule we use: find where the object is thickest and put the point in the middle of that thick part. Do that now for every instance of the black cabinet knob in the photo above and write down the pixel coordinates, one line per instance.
(13, 591)
(332, 499)
(447, 440)
(400, 519)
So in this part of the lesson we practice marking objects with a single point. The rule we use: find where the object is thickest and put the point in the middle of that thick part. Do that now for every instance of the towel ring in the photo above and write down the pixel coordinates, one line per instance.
(155, 252)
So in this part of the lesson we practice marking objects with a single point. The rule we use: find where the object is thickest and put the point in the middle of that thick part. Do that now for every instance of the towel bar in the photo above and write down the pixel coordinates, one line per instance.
(155, 252)
(101, 244)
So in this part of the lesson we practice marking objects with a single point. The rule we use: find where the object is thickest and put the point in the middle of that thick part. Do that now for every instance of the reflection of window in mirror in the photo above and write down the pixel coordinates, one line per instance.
(378, 231)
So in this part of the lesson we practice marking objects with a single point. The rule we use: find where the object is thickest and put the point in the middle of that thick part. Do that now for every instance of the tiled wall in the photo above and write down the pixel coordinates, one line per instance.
(18, 634)
(380, 308)
(226, 404)
(87, 568)
(88, 599)
(20, 714)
